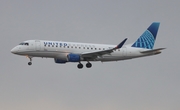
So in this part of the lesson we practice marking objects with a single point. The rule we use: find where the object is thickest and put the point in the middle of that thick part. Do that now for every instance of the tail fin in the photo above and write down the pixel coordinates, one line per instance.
(147, 39)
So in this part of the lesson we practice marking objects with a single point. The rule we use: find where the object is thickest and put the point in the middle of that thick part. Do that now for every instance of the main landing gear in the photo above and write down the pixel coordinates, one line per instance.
(80, 65)
(88, 65)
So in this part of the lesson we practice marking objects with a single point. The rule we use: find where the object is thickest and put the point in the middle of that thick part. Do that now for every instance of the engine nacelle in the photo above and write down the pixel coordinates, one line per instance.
(59, 61)
(73, 57)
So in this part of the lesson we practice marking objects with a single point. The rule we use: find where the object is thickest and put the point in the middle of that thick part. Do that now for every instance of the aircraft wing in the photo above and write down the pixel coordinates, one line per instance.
(103, 52)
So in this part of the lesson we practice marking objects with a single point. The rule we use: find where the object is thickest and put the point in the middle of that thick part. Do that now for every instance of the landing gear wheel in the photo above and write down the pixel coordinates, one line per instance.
(29, 63)
(80, 66)
(88, 65)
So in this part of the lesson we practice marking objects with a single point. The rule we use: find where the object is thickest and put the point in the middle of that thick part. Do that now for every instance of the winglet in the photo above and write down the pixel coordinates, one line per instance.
(121, 44)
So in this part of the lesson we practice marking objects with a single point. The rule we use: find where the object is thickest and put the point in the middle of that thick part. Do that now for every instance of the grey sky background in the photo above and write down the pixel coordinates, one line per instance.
(149, 83)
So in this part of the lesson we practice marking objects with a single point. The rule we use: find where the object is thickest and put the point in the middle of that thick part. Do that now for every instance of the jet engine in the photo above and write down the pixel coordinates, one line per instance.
(67, 58)
(59, 61)
(73, 57)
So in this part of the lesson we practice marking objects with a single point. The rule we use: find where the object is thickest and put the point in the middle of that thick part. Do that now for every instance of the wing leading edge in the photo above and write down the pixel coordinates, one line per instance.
(103, 52)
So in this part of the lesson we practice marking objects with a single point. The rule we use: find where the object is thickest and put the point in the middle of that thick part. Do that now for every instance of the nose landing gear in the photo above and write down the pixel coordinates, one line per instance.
(29, 63)
(30, 58)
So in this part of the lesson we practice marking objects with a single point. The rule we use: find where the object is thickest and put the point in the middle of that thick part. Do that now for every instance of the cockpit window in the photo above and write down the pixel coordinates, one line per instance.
(21, 43)
(24, 43)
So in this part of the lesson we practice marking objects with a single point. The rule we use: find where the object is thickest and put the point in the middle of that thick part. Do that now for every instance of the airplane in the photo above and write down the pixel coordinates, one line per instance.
(63, 52)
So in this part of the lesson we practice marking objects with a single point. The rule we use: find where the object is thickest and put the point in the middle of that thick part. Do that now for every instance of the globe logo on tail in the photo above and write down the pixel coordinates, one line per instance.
(147, 39)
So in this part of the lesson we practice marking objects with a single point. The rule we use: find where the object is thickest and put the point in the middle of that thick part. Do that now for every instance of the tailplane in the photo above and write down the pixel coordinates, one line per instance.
(147, 39)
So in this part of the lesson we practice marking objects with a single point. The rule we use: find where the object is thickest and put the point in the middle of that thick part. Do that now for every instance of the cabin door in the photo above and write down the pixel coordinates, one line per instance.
(38, 45)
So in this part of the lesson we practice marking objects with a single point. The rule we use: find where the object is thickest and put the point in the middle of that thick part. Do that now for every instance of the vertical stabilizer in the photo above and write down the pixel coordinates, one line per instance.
(147, 39)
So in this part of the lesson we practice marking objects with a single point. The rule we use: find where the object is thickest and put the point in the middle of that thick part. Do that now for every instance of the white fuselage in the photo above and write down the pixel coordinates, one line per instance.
(60, 50)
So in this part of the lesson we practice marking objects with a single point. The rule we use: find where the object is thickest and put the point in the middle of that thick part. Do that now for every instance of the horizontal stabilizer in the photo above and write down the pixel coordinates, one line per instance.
(153, 50)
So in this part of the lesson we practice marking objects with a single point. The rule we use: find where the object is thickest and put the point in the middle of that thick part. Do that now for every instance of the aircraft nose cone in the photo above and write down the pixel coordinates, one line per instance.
(14, 50)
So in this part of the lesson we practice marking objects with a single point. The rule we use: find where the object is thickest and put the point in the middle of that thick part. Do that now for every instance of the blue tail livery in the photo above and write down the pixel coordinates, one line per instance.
(147, 39)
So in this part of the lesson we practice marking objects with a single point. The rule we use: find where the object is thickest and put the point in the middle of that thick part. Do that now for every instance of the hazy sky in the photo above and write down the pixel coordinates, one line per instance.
(149, 83)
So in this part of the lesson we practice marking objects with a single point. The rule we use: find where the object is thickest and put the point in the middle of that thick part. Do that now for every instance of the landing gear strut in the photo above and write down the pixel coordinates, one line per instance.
(30, 63)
